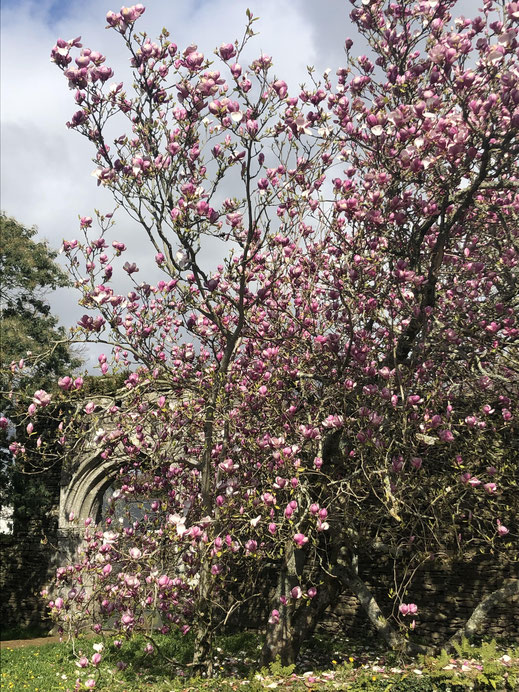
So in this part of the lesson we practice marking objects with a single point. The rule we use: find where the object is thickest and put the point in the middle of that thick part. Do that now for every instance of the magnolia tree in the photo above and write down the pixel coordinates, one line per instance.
(343, 383)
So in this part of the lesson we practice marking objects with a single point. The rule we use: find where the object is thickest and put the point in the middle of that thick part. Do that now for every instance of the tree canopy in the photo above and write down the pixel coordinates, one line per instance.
(30, 331)
(34, 351)
(344, 381)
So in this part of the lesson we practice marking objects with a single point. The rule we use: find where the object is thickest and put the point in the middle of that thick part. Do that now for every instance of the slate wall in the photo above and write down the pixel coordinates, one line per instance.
(445, 593)
(24, 569)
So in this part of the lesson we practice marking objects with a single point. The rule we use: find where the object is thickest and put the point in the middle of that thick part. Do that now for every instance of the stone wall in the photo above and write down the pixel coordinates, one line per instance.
(24, 569)
(445, 593)
(28, 563)
(28, 555)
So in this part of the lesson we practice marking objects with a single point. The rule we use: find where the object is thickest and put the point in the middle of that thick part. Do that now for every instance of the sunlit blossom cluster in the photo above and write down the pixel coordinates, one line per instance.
(345, 377)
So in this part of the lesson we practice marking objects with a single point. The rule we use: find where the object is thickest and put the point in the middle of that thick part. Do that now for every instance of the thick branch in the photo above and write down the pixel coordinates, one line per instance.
(407, 338)
(482, 611)
(354, 583)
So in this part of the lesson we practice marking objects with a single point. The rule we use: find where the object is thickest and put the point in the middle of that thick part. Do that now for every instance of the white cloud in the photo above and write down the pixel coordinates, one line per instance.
(46, 168)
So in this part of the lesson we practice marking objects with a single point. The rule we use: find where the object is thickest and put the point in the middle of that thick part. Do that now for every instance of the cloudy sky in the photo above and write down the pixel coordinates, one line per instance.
(46, 168)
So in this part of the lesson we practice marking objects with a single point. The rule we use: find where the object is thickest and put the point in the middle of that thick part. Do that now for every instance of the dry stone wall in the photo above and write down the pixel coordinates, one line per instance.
(446, 594)
(24, 569)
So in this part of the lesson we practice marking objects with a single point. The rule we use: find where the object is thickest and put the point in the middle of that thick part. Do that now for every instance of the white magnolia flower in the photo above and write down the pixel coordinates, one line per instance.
(181, 259)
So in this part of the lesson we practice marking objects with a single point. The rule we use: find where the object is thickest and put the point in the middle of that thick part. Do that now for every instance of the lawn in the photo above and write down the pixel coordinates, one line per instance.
(327, 663)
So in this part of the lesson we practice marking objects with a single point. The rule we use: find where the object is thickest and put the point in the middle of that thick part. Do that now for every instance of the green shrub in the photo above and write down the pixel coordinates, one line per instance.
(52, 667)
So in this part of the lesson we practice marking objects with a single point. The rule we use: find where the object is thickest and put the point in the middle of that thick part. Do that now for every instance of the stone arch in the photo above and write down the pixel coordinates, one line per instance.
(83, 487)
(85, 475)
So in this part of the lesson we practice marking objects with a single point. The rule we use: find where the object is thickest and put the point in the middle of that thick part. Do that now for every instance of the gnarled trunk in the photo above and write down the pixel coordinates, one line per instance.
(297, 620)
(203, 648)
(351, 581)
(481, 612)
(278, 639)
(308, 616)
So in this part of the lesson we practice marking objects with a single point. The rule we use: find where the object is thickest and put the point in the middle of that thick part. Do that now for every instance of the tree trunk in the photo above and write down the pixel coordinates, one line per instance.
(308, 615)
(350, 579)
(278, 640)
(203, 648)
(481, 612)
(297, 620)
(202, 655)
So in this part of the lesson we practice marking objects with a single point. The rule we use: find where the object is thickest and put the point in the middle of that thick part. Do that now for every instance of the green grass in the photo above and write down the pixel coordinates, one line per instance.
(35, 668)
(52, 667)
(340, 664)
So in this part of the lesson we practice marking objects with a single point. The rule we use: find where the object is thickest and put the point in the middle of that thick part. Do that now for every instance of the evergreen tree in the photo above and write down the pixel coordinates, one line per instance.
(28, 271)
(34, 350)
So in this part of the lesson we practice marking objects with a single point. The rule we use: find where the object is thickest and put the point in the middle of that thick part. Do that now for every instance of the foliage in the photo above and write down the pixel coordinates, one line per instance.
(35, 350)
(29, 331)
(345, 380)
(20, 632)
(130, 667)
(277, 669)
(484, 661)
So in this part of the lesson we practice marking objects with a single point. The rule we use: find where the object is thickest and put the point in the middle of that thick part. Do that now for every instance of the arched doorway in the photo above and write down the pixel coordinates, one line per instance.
(83, 487)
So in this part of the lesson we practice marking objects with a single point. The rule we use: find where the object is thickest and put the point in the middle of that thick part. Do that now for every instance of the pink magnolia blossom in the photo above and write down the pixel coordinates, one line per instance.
(280, 87)
(474, 482)
(251, 546)
(65, 383)
(164, 581)
(502, 529)
(127, 619)
(227, 51)
(296, 592)
(446, 435)
(408, 609)
(300, 539)
(274, 617)
(41, 398)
